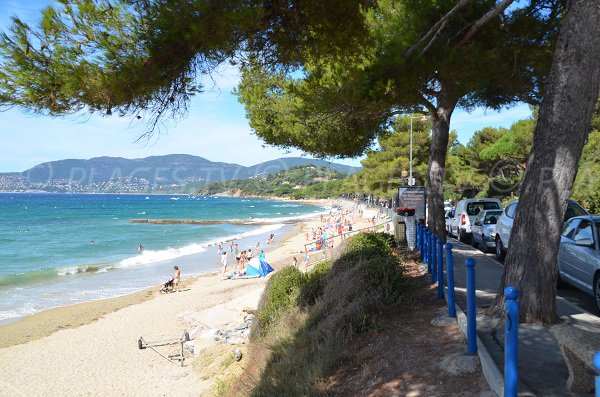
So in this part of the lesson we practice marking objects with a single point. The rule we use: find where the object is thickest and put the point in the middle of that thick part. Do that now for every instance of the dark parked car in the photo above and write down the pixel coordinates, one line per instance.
(579, 255)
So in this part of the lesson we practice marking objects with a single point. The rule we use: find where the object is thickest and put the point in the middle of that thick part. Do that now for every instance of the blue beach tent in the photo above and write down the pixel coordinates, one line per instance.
(258, 268)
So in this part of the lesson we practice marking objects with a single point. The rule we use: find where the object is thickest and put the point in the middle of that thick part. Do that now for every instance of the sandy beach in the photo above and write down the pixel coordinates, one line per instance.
(92, 348)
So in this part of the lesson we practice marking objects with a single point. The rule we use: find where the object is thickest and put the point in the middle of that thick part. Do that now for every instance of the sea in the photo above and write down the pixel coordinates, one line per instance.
(61, 249)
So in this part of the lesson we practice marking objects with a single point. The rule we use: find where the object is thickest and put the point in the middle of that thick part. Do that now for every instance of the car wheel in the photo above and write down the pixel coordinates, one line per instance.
(500, 251)
(597, 289)
(474, 242)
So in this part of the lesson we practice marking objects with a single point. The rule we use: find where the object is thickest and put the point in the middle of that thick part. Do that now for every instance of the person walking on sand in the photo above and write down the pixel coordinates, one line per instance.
(176, 278)
(223, 264)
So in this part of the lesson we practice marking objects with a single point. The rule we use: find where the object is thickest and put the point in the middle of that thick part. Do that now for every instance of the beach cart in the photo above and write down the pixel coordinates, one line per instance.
(162, 341)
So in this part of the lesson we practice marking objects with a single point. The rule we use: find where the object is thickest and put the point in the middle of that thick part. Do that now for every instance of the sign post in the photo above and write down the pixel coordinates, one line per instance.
(411, 205)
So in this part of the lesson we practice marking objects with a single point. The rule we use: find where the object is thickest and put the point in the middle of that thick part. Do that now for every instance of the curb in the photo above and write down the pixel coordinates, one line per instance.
(491, 373)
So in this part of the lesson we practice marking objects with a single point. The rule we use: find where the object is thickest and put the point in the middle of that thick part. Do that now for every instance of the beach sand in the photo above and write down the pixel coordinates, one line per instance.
(92, 348)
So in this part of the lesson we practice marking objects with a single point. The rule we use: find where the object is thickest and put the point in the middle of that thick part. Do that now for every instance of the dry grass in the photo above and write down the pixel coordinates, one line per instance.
(307, 343)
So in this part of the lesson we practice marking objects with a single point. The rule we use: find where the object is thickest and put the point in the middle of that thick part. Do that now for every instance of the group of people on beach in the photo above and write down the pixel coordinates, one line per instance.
(241, 257)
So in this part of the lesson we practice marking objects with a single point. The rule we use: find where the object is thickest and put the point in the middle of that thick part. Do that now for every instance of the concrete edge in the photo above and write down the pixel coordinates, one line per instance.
(491, 373)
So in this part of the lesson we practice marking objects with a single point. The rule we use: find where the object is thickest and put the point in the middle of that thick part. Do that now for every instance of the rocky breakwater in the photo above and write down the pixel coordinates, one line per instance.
(207, 222)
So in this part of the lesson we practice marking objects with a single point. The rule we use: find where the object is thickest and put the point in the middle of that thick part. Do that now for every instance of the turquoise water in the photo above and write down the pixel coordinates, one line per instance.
(57, 249)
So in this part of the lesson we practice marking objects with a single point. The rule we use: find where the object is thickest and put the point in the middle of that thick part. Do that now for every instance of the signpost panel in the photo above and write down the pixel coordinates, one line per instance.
(413, 197)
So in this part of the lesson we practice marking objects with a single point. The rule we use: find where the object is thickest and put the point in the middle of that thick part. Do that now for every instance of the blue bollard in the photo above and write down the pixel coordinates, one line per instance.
(597, 365)
(511, 348)
(450, 280)
(440, 268)
(428, 249)
(471, 307)
(434, 272)
(418, 235)
(422, 246)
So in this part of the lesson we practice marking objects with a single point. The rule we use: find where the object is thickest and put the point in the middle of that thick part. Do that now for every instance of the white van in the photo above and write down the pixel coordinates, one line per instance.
(466, 212)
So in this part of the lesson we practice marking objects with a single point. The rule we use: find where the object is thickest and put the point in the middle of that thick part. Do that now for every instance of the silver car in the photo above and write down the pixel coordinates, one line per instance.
(484, 229)
(448, 218)
(579, 255)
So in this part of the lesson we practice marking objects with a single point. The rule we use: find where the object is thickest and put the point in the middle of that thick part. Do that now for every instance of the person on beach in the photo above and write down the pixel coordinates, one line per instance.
(140, 248)
(262, 255)
(231, 247)
(305, 260)
(176, 278)
(223, 264)
(242, 261)
(295, 262)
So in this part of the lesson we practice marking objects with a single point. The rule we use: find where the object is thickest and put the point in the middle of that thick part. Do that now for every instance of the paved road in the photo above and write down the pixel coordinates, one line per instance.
(571, 294)
(542, 369)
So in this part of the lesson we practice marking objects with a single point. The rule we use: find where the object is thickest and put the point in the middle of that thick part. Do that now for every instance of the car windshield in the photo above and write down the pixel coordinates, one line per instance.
(474, 208)
(574, 210)
(491, 218)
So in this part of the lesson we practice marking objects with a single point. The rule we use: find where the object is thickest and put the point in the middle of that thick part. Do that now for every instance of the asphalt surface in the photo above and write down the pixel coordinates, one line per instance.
(542, 369)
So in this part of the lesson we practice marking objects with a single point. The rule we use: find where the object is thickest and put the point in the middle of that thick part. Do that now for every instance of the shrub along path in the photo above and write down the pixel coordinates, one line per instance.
(407, 356)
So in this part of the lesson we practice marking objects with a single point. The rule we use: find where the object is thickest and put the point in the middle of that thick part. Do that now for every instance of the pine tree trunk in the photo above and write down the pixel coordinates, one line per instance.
(560, 134)
(437, 166)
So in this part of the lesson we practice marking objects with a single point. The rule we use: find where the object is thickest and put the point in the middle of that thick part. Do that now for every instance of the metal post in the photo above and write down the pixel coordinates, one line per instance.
(440, 268)
(434, 273)
(450, 280)
(418, 237)
(511, 349)
(471, 307)
(597, 365)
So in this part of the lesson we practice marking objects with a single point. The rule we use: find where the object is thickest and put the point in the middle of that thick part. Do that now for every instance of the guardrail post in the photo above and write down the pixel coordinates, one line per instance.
(434, 272)
(450, 280)
(471, 307)
(440, 268)
(597, 365)
(511, 349)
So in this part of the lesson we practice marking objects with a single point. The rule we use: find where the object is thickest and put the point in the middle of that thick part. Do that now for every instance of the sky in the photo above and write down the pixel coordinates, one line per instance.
(216, 127)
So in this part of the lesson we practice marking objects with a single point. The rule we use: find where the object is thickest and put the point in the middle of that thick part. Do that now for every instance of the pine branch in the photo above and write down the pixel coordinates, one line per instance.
(488, 16)
(437, 28)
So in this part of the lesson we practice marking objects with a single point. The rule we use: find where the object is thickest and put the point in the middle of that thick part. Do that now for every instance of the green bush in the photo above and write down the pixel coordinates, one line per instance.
(367, 242)
(383, 274)
(280, 295)
(313, 284)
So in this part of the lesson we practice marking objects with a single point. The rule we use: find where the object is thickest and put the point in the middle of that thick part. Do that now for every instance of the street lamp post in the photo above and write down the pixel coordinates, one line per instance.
(411, 181)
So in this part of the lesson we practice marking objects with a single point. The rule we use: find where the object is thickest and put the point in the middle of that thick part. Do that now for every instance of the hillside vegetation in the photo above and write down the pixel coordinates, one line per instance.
(305, 321)
(297, 183)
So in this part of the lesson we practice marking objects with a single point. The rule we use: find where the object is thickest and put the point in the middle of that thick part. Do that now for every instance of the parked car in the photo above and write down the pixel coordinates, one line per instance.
(483, 230)
(505, 223)
(466, 211)
(579, 255)
(448, 219)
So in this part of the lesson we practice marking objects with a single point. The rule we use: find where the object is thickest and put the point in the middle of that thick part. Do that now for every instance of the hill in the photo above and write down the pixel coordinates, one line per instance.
(307, 181)
(175, 173)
